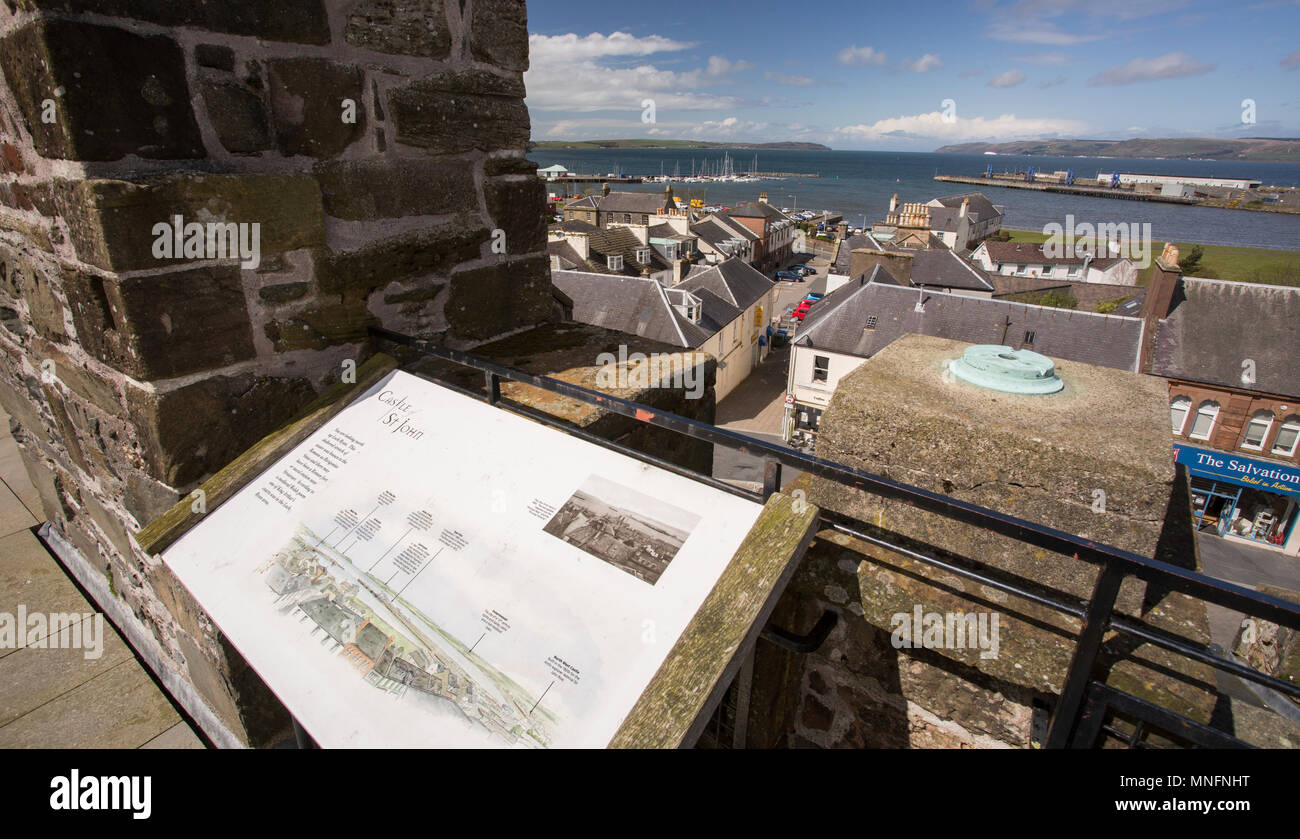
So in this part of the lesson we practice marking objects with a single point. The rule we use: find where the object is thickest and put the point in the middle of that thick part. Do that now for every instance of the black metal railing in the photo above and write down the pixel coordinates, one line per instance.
(1078, 718)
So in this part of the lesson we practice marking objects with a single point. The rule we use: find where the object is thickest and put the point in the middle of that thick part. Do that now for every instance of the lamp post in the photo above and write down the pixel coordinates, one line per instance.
(796, 201)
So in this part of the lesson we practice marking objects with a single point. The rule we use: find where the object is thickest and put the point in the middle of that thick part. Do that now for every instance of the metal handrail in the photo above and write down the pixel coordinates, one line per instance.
(1096, 612)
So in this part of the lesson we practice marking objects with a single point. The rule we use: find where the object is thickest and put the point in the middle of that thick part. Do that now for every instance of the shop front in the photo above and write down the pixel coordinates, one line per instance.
(1244, 497)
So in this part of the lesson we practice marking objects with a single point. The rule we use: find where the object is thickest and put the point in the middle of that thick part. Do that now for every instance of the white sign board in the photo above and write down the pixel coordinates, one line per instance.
(427, 570)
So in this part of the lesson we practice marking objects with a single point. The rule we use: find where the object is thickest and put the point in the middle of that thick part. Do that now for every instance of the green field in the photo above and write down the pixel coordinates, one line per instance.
(1218, 262)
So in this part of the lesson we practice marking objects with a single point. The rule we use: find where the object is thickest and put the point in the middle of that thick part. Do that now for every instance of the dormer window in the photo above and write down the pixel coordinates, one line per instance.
(643, 256)
(614, 262)
(671, 250)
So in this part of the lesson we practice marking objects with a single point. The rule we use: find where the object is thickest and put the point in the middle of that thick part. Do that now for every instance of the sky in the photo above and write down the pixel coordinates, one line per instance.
(913, 76)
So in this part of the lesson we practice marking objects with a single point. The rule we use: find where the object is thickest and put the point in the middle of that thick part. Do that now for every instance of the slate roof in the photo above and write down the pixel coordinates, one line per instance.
(587, 202)
(941, 267)
(635, 305)
(606, 241)
(938, 267)
(1216, 325)
(757, 209)
(839, 323)
(632, 202)
(664, 230)
(947, 219)
(732, 281)
(979, 204)
(1031, 253)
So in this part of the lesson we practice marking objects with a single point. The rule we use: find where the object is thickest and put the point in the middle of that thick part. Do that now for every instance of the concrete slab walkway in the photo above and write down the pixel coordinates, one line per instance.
(52, 697)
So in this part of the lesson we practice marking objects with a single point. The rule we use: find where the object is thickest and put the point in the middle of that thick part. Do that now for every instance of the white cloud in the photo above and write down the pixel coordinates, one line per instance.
(572, 47)
(795, 81)
(572, 73)
(728, 128)
(1036, 32)
(936, 126)
(860, 55)
(926, 63)
(1048, 59)
(1010, 78)
(1171, 66)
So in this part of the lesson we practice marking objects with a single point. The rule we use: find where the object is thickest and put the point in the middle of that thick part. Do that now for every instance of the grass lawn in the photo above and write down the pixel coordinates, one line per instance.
(1219, 262)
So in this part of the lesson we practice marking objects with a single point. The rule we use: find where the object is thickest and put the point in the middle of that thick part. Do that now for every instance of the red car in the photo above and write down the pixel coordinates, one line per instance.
(800, 312)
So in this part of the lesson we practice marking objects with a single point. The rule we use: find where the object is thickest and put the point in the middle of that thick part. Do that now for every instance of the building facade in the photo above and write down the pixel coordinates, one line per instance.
(1227, 351)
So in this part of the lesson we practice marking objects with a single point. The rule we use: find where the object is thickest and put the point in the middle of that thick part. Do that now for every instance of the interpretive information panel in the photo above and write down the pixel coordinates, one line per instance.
(426, 570)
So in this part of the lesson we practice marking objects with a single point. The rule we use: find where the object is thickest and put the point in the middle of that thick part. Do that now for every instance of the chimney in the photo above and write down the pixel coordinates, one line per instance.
(965, 203)
(1160, 296)
(580, 244)
(893, 203)
(604, 190)
(762, 198)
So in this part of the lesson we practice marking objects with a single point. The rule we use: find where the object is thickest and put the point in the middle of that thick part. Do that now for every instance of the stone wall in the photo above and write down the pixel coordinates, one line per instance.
(377, 146)
(1091, 460)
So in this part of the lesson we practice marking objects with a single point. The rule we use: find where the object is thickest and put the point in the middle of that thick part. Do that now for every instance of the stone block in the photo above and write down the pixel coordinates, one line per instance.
(188, 433)
(400, 27)
(325, 326)
(299, 21)
(163, 325)
(484, 302)
(516, 206)
(499, 33)
(459, 111)
(509, 165)
(216, 56)
(419, 253)
(283, 293)
(237, 116)
(123, 93)
(392, 188)
(112, 222)
(307, 105)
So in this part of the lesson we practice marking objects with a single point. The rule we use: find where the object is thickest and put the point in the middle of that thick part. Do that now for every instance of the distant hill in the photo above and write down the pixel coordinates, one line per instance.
(672, 144)
(1196, 148)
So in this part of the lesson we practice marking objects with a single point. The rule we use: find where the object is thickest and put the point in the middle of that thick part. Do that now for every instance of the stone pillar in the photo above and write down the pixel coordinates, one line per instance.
(1092, 459)
(368, 155)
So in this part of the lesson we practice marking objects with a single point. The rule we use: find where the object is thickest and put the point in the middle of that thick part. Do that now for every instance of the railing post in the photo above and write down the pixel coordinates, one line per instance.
(493, 387)
(771, 478)
(1095, 621)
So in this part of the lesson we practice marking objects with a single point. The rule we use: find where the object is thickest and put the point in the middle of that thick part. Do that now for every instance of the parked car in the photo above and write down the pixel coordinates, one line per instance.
(813, 296)
(805, 269)
(800, 314)
(789, 275)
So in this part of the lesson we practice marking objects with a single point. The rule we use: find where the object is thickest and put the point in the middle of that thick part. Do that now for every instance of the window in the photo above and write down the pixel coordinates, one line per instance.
(1287, 435)
(872, 320)
(627, 218)
(1029, 336)
(614, 262)
(1204, 423)
(821, 368)
(1257, 430)
(671, 251)
(1178, 410)
(643, 256)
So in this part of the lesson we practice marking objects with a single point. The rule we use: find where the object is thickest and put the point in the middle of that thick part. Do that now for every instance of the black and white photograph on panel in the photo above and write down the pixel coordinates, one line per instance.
(626, 528)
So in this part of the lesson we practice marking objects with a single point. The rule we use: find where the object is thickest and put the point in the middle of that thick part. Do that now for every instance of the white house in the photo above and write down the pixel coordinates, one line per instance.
(1028, 259)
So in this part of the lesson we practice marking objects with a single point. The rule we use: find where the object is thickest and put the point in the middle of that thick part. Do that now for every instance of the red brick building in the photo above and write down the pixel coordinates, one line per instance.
(1229, 352)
